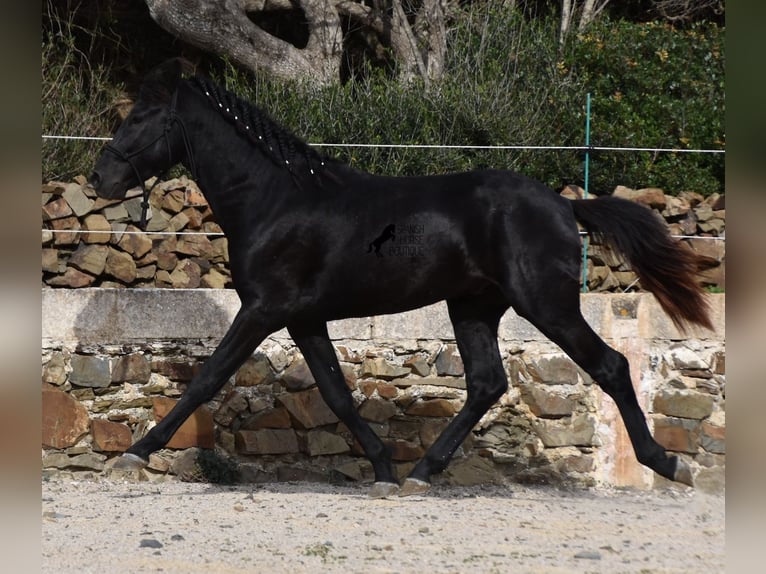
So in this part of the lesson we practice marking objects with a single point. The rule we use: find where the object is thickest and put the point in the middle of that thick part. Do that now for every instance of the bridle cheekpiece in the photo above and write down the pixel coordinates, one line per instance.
(128, 158)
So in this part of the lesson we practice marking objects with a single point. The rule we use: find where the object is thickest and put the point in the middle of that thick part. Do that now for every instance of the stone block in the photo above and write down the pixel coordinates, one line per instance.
(214, 279)
(471, 471)
(56, 209)
(266, 441)
(88, 461)
(181, 370)
(120, 265)
(173, 201)
(298, 377)
(110, 436)
(552, 369)
(431, 408)
(452, 383)
(307, 408)
(97, 229)
(419, 366)
(54, 371)
(713, 437)
(449, 363)
(377, 410)
(186, 275)
(430, 429)
(50, 261)
(677, 435)
(90, 259)
(116, 212)
(136, 244)
(64, 420)
(132, 368)
(256, 370)
(679, 356)
(73, 279)
(386, 390)
(269, 418)
(547, 403)
(197, 430)
(232, 405)
(90, 371)
(683, 403)
(321, 442)
(380, 368)
(368, 387)
(80, 203)
(403, 450)
(194, 245)
(579, 430)
(651, 196)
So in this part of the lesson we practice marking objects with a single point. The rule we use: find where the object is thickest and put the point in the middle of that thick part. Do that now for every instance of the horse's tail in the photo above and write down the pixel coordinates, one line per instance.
(664, 265)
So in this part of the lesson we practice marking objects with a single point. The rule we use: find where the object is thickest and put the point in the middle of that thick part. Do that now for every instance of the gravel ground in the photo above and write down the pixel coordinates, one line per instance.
(108, 525)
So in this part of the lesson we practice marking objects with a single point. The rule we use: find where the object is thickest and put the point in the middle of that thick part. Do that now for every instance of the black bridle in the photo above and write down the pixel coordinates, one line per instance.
(128, 157)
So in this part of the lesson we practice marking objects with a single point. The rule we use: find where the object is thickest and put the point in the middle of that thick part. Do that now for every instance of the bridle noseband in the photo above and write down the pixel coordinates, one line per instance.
(128, 157)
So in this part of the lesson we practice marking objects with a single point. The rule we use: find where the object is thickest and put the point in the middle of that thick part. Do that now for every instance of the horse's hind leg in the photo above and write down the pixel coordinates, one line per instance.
(559, 318)
(318, 351)
(475, 323)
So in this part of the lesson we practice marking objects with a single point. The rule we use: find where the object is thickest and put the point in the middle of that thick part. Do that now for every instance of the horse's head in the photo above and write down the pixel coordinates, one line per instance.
(146, 144)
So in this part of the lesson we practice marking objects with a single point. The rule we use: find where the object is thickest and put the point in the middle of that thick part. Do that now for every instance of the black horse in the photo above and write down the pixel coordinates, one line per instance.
(299, 227)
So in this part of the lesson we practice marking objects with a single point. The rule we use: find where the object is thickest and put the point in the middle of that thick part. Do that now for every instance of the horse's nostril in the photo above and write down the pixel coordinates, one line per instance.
(94, 180)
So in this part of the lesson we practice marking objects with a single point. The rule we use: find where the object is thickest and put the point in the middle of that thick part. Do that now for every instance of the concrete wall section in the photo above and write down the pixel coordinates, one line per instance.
(116, 316)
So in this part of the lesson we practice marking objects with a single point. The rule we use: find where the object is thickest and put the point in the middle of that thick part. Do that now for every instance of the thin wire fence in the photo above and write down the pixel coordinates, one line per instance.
(458, 147)
(585, 148)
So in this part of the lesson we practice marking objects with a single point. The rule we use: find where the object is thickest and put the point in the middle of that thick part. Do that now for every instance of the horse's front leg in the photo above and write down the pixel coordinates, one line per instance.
(319, 353)
(246, 332)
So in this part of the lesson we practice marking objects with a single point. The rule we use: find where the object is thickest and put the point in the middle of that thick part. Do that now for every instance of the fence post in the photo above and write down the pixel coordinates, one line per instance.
(587, 174)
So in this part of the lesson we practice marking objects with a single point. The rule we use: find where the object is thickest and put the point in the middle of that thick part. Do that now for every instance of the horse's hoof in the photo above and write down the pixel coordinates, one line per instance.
(383, 489)
(683, 473)
(129, 462)
(414, 486)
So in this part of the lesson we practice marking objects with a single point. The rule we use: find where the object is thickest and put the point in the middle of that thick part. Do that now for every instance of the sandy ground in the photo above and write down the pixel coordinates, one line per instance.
(108, 525)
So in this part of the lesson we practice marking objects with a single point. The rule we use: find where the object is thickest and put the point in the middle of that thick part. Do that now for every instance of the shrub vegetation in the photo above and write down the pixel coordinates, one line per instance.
(507, 82)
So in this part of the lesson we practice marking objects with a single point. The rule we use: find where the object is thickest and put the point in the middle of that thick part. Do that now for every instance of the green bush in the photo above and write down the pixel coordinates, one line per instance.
(507, 82)
(78, 97)
(495, 92)
(654, 86)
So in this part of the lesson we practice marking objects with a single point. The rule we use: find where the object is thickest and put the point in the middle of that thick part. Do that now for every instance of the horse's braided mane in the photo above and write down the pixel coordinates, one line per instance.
(278, 144)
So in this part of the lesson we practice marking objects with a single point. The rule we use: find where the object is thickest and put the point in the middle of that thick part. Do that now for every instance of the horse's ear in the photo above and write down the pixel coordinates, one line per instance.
(162, 81)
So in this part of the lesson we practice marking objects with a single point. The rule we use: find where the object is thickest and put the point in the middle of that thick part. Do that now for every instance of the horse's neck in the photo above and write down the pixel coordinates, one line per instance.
(233, 174)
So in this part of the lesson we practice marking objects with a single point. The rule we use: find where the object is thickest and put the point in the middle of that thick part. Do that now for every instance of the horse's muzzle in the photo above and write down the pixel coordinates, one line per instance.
(102, 188)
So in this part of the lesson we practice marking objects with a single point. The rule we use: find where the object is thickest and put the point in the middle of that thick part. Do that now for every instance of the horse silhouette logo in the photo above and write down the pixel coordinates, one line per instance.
(389, 233)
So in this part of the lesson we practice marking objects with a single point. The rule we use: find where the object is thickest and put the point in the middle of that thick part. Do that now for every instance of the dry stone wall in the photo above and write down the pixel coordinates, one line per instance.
(92, 242)
(115, 361)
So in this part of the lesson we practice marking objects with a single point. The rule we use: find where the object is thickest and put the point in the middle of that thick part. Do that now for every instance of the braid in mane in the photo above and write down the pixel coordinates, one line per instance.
(273, 140)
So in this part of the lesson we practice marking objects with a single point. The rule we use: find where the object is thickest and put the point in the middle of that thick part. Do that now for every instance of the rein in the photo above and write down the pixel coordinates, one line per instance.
(128, 157)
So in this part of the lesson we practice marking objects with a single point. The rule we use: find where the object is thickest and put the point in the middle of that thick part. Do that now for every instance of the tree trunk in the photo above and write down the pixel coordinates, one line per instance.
(590, 9)
(417, 40)
(587, 13)
(566, 19)
(222, 27)
(420, 47)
